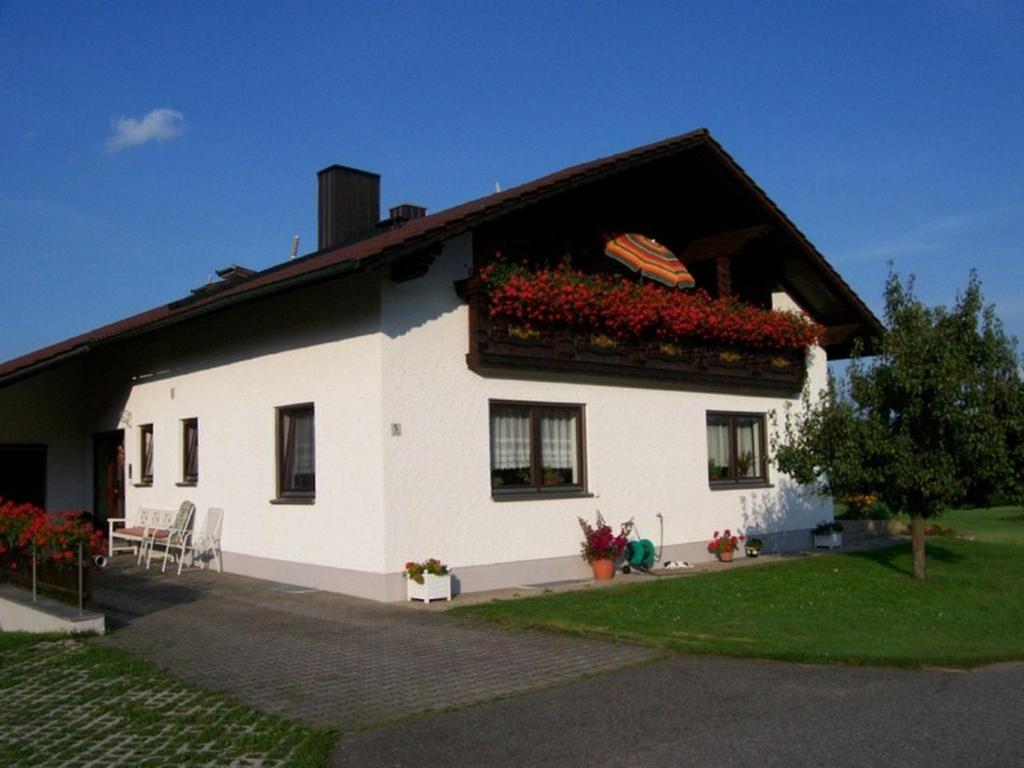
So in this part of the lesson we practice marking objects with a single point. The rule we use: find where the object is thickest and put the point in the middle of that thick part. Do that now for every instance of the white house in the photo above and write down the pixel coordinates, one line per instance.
(356, 408)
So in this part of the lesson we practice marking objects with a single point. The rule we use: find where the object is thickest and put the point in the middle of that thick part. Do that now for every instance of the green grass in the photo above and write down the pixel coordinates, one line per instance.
(997, 525)
(860, 608)
(69, 702)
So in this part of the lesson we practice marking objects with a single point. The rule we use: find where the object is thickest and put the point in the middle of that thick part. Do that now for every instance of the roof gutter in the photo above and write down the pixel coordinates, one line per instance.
(224, 302)
(42, 365)
(219, 303)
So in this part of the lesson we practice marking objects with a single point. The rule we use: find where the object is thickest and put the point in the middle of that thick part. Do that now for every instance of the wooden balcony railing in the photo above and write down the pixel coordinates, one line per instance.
(495, 344)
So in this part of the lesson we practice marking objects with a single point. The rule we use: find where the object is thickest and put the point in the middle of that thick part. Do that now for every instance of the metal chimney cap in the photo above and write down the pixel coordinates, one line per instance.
(347, 168)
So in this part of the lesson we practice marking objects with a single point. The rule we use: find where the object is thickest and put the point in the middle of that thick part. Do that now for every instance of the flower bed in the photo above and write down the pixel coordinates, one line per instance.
(54, 537)
(624, 310)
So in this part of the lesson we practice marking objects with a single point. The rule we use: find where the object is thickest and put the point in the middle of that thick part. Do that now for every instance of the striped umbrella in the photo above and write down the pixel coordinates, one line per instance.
(650, 257)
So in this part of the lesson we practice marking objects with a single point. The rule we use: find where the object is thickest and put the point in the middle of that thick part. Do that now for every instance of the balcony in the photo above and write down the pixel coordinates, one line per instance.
(498, 344)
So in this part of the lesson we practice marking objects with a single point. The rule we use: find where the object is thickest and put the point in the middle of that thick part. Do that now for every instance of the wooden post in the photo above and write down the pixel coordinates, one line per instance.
(723, 275)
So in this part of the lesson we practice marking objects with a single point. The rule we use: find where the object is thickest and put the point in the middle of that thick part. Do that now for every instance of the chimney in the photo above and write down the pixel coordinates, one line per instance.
(407, 212)
(348, 205)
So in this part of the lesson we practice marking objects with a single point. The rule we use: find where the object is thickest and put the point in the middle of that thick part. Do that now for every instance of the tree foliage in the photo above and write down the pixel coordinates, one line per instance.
(935, 419)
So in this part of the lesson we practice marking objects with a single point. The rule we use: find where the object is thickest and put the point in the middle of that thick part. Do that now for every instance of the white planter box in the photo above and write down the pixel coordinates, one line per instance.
(828, 540)
(432, 588)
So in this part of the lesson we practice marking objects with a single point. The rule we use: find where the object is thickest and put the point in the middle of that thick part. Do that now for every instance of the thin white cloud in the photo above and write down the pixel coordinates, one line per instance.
(935, 235)
(161, 124)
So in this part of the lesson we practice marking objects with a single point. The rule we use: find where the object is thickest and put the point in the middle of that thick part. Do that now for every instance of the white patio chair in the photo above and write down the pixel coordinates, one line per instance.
(205, 542)
(152, 521)
(173, 534)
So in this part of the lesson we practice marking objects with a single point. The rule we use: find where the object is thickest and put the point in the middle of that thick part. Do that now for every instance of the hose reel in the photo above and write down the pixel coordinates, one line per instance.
(640, 554)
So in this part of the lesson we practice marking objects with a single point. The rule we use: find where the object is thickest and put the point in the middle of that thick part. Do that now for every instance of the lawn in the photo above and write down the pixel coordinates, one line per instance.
(67, 703)
(999, 525)
(860, 608)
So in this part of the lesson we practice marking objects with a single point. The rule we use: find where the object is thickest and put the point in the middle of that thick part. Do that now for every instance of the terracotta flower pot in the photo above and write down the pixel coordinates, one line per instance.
(726, 557)
(603, 569)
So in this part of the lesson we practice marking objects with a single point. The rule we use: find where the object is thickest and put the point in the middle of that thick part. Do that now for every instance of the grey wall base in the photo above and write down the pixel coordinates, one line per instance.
(372, 586)
(19, 613)
(390, 587)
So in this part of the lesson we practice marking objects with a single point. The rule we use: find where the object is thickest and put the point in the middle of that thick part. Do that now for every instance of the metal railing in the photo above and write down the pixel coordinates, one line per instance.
(81, 591)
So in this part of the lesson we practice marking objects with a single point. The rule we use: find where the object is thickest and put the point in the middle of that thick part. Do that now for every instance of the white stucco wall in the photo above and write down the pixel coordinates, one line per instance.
(370, 353)
(316, 345)
(645, 446)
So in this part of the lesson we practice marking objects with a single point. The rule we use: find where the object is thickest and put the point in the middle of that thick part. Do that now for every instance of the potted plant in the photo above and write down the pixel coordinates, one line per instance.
(753, 547)
(724, 545)
(429, 580)
(601, 547)
(716, 471)
(828, 534)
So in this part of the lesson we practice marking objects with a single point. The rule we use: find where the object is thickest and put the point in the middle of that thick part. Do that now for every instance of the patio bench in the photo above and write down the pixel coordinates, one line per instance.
(138, 530)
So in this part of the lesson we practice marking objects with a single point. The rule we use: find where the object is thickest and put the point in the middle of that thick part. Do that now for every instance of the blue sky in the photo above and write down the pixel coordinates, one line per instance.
(147, 144)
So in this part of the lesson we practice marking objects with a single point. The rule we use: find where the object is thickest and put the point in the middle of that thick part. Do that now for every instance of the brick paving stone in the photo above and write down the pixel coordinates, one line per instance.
(53, 716)
(330, 660)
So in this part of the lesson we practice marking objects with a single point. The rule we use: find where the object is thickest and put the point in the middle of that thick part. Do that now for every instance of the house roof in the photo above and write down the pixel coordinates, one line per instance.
(421, 233)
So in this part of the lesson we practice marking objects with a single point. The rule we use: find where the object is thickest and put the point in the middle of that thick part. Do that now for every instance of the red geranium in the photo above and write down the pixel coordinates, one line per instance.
(726, 542)
(625, 309)
(432, 566)
(53, 535)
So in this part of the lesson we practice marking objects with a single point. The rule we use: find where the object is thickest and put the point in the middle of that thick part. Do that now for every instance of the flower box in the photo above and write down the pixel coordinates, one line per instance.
(497, 343)
(832, 540)
(433, 588)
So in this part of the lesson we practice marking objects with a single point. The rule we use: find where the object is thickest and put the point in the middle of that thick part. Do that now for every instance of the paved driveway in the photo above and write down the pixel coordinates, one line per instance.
(727, 713)
(329, 660)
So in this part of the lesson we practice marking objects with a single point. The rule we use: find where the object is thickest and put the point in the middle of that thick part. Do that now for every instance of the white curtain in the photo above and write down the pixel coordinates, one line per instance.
(147, 452)
(558, 439)
(510, 437)
(748, 447)
(719, 448)
(299, 458)
(191, 450)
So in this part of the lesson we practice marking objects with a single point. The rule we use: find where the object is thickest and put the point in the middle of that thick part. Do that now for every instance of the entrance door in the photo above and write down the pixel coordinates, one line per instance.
(108, 476)
(23, 474)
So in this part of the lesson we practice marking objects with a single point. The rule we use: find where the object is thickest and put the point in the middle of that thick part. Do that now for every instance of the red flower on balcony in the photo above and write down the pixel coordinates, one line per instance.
(605, 304)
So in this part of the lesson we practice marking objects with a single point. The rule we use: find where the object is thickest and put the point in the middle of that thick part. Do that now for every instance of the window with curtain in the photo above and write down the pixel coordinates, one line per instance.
(190, 450)
(296, 456)
(736, 448)
(536, 448)
(146, 454)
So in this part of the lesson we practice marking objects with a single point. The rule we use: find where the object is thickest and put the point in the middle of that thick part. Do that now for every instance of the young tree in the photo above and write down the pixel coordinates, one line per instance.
(936, 418)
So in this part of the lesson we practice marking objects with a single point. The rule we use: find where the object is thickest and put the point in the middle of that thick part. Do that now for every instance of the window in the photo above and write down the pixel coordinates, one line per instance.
(146, 454)
(296, 452)
(536, 448)
(190, 450)
(736, 451)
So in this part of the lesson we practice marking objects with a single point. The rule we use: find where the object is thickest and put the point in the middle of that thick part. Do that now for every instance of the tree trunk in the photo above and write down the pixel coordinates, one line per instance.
(917, 544)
